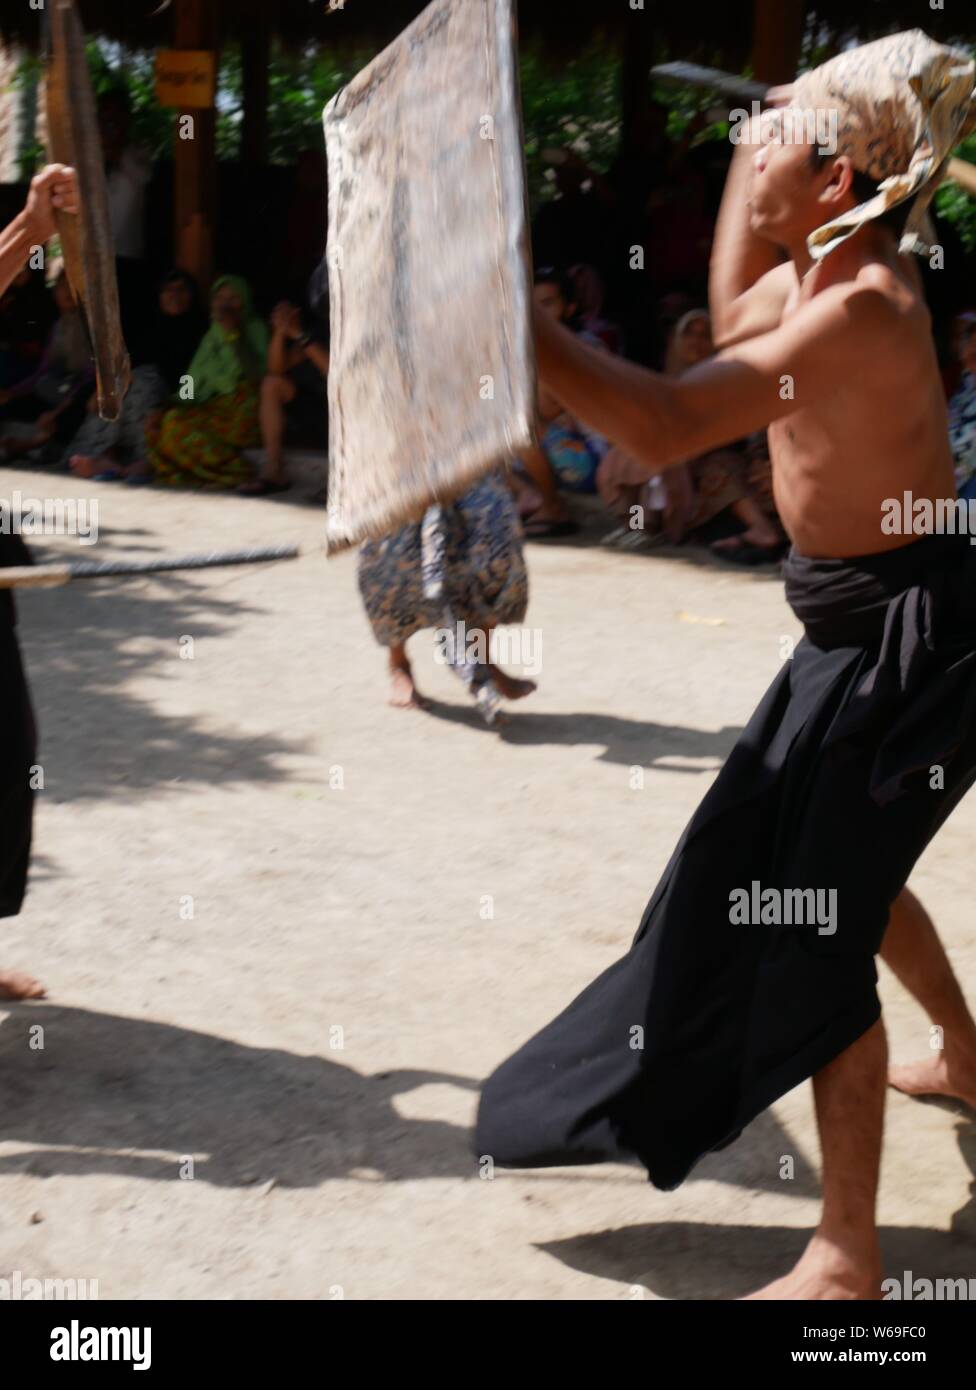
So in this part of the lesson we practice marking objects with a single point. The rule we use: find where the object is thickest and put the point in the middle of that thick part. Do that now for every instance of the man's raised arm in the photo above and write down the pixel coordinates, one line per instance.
(748, 281)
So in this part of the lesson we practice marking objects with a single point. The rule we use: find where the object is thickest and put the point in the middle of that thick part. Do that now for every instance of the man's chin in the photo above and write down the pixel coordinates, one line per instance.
(765, 227)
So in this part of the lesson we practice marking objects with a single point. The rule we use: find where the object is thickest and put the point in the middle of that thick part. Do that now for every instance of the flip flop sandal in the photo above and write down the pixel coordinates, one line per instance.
(752, 555)
(549, 530)
(263, 487)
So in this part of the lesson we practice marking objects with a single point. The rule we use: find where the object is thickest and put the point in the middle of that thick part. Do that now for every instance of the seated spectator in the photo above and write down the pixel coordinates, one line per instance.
(590, 294)
(952, 370)
(109, 449)
(687, 497)
(46, 407)
(569, 454)
(27, 313)
(198, 443)
(294, 396)
(962, 414)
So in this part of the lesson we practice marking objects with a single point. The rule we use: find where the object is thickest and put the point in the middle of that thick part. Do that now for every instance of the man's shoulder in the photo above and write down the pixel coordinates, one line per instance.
(876, 300)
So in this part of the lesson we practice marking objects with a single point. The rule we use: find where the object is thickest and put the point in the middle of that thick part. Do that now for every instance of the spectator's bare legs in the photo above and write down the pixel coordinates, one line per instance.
(759, 529)
(913, 951)
(539, 469)
(842, 1260)
(276, 393)
(403, 693)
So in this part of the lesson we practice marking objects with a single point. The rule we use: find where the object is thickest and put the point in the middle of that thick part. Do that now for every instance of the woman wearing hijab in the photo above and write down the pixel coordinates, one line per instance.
(198, 443)
(109, 449)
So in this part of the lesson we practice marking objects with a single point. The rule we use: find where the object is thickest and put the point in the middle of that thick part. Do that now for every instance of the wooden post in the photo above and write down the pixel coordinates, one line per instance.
(256, 65)
(635, 79)
(195, 159)
(777, 39)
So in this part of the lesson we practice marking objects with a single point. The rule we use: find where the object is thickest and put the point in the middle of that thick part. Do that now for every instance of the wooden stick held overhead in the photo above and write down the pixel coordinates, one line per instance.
(86, 236)
(960, 171)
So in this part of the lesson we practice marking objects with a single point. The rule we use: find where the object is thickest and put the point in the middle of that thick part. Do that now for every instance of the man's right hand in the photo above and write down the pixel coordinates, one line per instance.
(54, 189)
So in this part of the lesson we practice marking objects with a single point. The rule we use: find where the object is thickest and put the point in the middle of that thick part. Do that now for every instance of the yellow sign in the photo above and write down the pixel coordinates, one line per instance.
(184, 78)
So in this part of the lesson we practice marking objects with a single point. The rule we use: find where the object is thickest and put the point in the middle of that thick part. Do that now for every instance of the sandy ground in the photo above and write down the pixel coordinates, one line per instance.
(313, 1036)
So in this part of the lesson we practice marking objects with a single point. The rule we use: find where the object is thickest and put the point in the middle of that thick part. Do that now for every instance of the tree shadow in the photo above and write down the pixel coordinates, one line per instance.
(698, 1260)
(85, 642)
(109, 1094)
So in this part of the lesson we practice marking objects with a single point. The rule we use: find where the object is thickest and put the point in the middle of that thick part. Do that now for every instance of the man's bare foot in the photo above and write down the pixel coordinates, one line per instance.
(825, 1271)
(936, 1076)
(403, 693)
(510, 687)
(14, 984)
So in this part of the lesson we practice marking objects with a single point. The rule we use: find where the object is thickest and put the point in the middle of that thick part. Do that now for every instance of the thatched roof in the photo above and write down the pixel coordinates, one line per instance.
(370, 24)
(367, 25)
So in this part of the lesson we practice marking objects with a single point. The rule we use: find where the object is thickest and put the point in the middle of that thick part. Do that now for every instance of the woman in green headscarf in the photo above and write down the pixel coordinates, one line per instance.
(199, 442)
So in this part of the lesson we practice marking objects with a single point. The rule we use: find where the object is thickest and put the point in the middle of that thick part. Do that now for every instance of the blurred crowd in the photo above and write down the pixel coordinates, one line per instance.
(622, 259)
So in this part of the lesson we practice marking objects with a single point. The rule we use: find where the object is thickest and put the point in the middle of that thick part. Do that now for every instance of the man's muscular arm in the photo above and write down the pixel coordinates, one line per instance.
(54, 188)
(748, 283)
(663, 421)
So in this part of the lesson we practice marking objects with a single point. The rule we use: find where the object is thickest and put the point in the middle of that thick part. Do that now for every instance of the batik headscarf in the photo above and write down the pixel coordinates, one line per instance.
(219, 363)
(903, 103)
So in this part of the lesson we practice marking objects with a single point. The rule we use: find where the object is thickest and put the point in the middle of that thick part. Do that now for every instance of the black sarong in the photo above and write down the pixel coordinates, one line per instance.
(835, 784)
(19, 747)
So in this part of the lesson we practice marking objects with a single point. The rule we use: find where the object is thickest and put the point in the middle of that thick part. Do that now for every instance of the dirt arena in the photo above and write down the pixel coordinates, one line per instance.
(286, 930)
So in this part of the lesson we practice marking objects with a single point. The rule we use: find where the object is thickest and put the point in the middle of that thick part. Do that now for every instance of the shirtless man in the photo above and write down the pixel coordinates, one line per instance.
(820, 350)
(53, 188)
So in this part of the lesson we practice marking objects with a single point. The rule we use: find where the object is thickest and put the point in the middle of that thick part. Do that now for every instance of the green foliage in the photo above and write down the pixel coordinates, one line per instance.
(957, 206)
(300, 84)
(576, 106)
(152, 125)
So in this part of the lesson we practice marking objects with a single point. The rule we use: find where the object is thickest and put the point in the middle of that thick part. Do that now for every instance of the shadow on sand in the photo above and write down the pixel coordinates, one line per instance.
(630, 742)
(82, 645)
(695, 1260)
(114, 1094)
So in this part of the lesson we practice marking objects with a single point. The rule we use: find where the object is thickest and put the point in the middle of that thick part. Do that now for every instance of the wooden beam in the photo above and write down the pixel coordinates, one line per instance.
(256, 72)
(195, 158)
(635, 80)
(777, 31)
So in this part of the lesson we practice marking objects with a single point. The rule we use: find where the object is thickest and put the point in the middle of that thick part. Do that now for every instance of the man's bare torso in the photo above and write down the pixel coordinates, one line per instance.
(883, 433)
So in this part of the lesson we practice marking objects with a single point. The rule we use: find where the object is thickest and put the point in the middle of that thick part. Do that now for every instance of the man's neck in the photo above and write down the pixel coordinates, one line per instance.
(868, 243)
